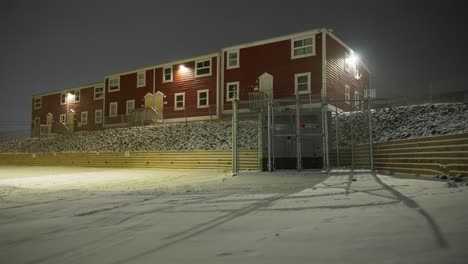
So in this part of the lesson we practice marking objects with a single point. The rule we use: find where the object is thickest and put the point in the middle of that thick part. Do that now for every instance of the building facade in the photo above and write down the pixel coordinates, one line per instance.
(314, 64)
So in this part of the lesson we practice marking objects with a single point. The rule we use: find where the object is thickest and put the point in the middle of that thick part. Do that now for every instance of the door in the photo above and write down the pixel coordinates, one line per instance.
(149, 100)
(159, 105)
(49, 122)
(266, 84)
(71, 121)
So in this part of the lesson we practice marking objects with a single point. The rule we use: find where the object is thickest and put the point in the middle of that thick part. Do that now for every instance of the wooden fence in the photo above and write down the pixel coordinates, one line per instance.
(248, 159)
(425, 156)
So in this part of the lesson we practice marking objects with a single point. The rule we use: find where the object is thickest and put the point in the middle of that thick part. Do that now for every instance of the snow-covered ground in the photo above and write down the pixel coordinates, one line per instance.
(88, 215)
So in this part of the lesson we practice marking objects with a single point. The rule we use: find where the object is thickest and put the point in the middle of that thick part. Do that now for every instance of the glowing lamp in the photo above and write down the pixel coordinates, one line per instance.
(183, 69)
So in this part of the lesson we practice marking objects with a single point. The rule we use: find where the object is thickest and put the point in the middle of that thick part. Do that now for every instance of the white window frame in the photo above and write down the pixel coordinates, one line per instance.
(303, 55)
(85, 113)
(63, 118)
(164, 74)
(196, 67)
(228, 98)
(356, 98)
(143, 84)
(118, 84)
(76, 92)
(98, 119)
(176, 108)
(127, 108)
(346, 63)
(37, 101)
(228, 66)
(116, 109)
(296, 83)
(63, 98)
(101, 92)
(207, 91)
(347, 94)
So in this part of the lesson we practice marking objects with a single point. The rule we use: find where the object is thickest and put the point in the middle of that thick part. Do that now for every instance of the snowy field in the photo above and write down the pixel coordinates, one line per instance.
(88, 215)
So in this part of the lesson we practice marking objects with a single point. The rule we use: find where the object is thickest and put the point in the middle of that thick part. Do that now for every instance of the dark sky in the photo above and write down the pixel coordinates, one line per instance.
(53, 45)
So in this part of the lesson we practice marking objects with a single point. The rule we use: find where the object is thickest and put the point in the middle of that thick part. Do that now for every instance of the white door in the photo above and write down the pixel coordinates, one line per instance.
(266, 84)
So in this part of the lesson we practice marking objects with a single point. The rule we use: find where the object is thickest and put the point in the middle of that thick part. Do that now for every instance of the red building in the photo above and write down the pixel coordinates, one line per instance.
(314, 64)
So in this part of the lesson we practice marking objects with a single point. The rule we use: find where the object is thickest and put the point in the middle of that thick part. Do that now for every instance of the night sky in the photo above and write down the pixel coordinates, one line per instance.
(54, 45)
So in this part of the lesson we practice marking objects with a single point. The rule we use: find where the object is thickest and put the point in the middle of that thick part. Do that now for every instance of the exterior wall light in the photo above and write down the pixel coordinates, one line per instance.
(183, 69)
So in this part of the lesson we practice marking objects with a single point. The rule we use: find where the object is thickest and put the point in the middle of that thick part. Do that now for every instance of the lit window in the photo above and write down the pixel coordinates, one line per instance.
(130, 106)
(347, 94)
(167, 74)
(114, 84)
(98, 92)
(37, 103)
(63, 98)
(63, 118)
(202, 98)
(98, 116)
(141, 79)
(302, 47)
(232, 91)
(203, 68)
(113, 109)
(179, 101)
(302, 83)
(233, 59)
(84, 118)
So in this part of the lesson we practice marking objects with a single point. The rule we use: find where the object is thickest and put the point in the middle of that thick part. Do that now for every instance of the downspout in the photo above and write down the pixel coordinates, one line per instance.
(218, 72)
(221, 85)
(104, 104)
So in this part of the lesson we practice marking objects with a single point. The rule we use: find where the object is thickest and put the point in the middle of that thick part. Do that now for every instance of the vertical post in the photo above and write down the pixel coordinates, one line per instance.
(298, 135)
(371, 147)
(326, 158)
(352, 137)
(234, 136)
(337, 134)
(273, 166)
(270, 167)
(260, 139)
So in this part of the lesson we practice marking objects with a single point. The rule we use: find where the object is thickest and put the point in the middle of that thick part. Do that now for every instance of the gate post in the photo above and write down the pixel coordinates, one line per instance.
(234, 136)
(298, 135)
(269, 109)
(371, 147)
(326, 160)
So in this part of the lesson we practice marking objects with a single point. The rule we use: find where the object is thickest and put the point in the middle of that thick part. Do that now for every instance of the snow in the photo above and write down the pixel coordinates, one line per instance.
(88, 215)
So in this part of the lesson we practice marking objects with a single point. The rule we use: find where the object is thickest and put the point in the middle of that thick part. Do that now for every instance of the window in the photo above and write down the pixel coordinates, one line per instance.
(232, 91)
(77, 96)
(63, 118)
(130, 106)
(233, 59)
(303, 47)
(357, 72)
(37, 121)
(347, 62)
(302, 83)
(141, 79)
(63, 98)
(179, 101)
(203, 68)
(98, 116)
(98, 92)
(113, 109)
(202, 98)
(114, 84)
(167, 74)
(356, 98)
(347, 94)
(37, 103)
(84, 118)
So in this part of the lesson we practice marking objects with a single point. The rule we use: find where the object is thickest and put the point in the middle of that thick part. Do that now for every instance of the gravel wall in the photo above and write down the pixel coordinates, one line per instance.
(190, 136)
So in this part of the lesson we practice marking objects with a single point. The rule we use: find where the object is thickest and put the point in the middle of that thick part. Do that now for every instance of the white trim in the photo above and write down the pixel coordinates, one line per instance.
(126, 106)
(296, 77)
(356, 98)
(237, 51)
(272, 40)
(81, 117)
(220, 95)
(218, 73)
(175, 101)
(138, 79)
(333, 36)
(96, 117)
(37, 103)
(303, 55)
(109, 84)
(63, 118)
(116, 109)
(207, 91)
(64, 95)
(79, 96)
(237, 91)
(102, 92)
(324, 63)
(347, 67)
(69, 89)
(347, 94)
(164, 73)
(201, 61)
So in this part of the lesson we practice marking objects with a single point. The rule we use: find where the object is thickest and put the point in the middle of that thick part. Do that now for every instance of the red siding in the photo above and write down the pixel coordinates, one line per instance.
(337, 77)
(274, 58)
